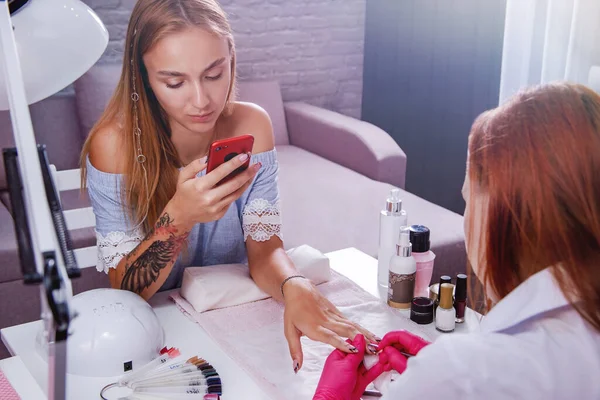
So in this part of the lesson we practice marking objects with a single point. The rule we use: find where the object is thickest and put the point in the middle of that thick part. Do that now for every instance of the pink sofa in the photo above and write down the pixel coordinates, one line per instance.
(336, 172)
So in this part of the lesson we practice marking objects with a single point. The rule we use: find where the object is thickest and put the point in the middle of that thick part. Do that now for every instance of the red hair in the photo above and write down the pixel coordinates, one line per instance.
(537, 158)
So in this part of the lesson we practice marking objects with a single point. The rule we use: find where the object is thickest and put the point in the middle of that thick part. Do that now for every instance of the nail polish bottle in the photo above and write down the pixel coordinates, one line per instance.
(460, 297)
(419, 238)
(436, 300)
(445, 315)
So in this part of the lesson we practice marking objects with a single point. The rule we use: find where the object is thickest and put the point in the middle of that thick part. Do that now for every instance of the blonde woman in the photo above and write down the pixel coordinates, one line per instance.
(157, 211)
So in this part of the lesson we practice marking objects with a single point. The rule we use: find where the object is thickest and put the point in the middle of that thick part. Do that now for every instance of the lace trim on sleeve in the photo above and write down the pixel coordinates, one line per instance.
(114, 246)
(261, 220)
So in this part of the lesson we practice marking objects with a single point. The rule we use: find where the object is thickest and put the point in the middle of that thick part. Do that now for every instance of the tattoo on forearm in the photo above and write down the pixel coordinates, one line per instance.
(145, 270)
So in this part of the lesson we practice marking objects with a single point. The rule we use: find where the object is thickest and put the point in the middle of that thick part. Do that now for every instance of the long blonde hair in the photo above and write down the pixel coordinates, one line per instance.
(150, 168)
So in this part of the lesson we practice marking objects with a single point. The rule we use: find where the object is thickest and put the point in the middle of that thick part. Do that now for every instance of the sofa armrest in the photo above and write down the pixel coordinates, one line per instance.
(355, 144)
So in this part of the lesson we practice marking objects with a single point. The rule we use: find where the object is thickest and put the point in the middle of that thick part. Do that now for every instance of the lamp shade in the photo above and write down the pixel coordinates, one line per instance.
(57, 42)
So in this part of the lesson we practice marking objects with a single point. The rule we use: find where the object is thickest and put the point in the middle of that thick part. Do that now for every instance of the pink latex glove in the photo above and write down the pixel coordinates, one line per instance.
(344, 376)
(397, 341)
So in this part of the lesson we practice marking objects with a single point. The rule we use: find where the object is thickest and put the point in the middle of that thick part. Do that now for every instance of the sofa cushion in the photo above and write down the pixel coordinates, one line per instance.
(74, 199)
(5, 199)
(9, 256)
(55, 124)
(70, 199)
(315, 190)
(94, 89)
(267, 94)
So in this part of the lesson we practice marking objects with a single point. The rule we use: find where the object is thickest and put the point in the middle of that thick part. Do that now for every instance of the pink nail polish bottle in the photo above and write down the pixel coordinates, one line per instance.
(419, 237)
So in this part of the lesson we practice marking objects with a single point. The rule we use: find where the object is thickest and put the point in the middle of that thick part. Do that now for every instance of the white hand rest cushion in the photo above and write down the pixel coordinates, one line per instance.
(227, 285)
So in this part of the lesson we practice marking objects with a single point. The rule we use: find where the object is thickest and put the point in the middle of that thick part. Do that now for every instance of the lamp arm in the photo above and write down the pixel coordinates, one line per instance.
(43, 239)
(56, 290)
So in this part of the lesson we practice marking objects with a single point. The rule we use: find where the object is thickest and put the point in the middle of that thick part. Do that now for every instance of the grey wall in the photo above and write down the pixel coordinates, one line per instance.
(314, 48)
(431, 66)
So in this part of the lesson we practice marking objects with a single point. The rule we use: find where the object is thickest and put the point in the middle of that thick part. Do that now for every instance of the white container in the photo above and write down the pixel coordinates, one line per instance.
(391, 220)
(402, 274)
(445, 314)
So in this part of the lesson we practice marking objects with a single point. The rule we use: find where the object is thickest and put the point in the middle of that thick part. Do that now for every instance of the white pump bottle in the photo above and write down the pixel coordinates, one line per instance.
(391, 221)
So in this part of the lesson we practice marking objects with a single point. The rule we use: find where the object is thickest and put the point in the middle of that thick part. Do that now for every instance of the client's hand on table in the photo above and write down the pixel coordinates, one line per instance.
(308, 312)
(391, 346)
(344, 376)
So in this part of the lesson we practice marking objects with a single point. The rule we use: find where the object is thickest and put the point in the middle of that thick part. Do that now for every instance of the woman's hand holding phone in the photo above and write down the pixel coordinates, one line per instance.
(203, 199)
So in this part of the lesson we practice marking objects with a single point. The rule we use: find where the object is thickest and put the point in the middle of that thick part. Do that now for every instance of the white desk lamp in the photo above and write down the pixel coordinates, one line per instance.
(45, 46)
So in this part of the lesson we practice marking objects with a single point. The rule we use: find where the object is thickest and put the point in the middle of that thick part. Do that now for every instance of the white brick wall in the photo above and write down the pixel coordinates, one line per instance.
(314, 48)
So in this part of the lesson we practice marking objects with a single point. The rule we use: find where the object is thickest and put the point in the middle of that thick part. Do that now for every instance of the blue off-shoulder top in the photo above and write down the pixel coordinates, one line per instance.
(256, 214)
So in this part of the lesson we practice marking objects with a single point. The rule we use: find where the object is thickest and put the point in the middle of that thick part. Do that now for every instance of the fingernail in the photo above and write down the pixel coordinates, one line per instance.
(257, 166)
(243, 157)
(353, 349)
(372, 348)
(296, 366)
(377, 339)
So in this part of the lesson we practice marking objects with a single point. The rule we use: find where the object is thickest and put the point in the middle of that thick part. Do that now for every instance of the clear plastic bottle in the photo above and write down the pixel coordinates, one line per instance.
(391, 220)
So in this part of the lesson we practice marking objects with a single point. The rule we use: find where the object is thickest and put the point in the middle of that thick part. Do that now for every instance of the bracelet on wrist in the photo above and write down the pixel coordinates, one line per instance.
(287, 279)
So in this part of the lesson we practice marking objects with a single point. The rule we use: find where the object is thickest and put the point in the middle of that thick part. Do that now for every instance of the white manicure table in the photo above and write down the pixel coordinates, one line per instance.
(190, 338)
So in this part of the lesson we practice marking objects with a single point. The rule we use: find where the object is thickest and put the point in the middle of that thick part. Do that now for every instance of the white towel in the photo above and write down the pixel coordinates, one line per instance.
(252, 335)
(227, 285)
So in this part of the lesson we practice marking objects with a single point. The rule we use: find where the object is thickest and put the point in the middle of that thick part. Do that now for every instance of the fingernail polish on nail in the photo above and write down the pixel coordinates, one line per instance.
(257, 166)
(296, 367)
(353, 349)
(243, 157)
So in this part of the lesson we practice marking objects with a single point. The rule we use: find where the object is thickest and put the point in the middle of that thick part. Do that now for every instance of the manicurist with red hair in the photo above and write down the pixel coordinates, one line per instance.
(532, 229)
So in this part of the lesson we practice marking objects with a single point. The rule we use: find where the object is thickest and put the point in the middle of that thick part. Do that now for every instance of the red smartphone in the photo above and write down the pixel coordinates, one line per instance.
(224, 150)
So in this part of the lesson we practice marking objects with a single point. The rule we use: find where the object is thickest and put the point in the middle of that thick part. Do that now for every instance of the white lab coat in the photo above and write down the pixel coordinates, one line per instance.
(531, 345)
